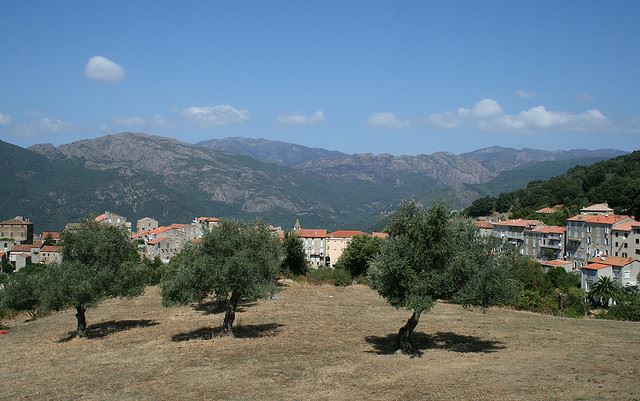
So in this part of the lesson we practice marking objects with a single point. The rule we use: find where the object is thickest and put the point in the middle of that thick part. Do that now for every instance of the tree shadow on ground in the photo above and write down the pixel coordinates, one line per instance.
(241, 331)
(447, 341)
(215, 307)
(103, 329)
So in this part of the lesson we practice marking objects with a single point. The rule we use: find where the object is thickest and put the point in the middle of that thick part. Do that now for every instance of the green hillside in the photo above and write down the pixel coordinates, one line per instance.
(616, 181)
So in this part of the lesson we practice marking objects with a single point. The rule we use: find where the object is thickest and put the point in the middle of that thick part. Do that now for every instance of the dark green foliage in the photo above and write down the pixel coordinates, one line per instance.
(22, 290)
(325, 275)
(627, 308)
(430, 256)
(154, 269)
(99, 263)
(234, 260)
(605, 291)
(358, 255)
(616, 181)
(294, 261)
(560, 278)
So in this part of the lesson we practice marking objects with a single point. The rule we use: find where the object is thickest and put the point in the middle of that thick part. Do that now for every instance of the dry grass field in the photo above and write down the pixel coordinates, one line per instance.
(317, 343)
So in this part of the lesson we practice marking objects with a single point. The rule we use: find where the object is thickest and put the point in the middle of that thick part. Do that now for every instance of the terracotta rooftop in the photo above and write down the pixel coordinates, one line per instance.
(595, 266)
(517, 223)
(20, 248)
(311, 233)
(550, 230)
(547, 210)
(483, 224)
(598, 207)
(380, 235)
(599, 219)
(616, 261)
(52, 248)
(100, 218)
(555, 263)
(626, 226)
(346, 233)
(158, 230)
(50, 234)
(209, 219)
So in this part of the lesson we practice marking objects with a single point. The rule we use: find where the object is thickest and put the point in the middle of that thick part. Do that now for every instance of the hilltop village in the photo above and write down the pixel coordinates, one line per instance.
(20, 245)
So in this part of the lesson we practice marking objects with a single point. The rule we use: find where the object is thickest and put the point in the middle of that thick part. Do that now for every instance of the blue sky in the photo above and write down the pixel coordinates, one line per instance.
(398, 77)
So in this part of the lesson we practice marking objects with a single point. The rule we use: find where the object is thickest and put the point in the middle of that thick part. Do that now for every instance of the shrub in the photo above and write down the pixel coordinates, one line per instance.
(324, 275)
(627, 309)
(532, 300)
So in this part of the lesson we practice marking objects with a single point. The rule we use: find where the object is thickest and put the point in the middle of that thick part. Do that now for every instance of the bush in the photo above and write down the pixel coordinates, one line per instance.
(323, 275)
(627, 309)
(534, 301)
(154, 269)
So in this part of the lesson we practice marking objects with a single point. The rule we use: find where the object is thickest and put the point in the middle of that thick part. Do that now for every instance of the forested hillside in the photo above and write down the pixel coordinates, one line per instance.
(616, 181)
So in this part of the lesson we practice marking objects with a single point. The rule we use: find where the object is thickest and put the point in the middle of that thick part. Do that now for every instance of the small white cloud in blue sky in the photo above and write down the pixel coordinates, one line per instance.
(208, 116)
(301, 119)
(523, 94)
(487, 115)
(43, 126)
(387, 120)
(5, 119)
(102, 69)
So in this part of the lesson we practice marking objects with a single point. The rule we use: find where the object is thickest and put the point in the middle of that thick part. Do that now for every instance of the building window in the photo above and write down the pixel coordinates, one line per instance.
(627, 274)
(626, 245)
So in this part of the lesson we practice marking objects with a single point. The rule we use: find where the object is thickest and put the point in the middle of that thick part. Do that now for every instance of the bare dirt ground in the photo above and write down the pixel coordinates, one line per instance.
(317, 343)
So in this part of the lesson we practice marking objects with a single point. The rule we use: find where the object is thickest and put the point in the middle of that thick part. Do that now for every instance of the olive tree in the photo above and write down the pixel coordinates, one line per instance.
(99, 262)
(358, 255)
(293, 261)
(431, 256)
(234, 260)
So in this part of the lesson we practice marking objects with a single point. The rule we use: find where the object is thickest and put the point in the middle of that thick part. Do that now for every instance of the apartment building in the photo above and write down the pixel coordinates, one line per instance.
(314, 242)
(626, 240)
(18, 230)
(146, 224)
(113, 219)
(337, 242)
(622, 270)
(513, 231)
(545, 242)
(485, 227)
(166, 241)
(590, 235)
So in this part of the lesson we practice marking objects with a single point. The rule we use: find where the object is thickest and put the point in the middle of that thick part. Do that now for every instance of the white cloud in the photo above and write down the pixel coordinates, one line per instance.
(5, 119)
(523, 94)
(160, 121)
(103, 69)
(387, 120)
(208, 116)
(487, 115)
(132, 121)
(43, 126)
(300, 119)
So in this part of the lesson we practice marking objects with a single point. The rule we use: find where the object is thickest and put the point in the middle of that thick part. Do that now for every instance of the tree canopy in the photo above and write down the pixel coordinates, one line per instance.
(294, 261)
(99, 262)
(429, 256)
(234, 260)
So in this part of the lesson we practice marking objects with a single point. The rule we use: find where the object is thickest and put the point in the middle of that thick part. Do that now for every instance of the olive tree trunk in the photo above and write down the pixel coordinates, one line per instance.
(81, 332)
(230, 314)
(403, 340)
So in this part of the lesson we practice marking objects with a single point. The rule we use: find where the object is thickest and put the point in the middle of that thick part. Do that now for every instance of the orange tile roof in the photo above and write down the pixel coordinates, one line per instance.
(616, 261)
(557, 262)
(20, 248)
(1, 255)
(627, 226)
(346, 233)
(51, 234)
(518, 223)
(209, 219)
(100, 218)
(483, 224)
(311, 233)
(158, 230)
(196, 240)
(52, 248)
(376, 234)
(599, 219)
(177, 225)
(550, 230)
(547, 210)
(37, 243)
(595, 266)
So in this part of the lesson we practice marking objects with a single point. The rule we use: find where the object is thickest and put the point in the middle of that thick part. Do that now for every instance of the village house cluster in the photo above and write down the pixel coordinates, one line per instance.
(595, 243)
(19, 245)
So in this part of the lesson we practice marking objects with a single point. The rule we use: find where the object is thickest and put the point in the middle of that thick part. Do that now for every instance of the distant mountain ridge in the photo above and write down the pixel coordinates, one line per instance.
(138, 174)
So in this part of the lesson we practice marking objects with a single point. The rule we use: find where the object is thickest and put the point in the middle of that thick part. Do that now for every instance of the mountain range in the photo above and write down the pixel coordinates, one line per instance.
(139, 175)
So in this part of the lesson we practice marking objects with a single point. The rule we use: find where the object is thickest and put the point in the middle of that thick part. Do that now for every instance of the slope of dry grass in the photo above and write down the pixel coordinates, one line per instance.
(317, 343)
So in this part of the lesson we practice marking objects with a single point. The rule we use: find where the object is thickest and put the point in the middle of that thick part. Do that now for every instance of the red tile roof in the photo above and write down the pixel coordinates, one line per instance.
(627, 226)
(20, 248)
(311, 233)
(100, 218)
(557, 262)
(550, 230)
(595, 266)
(616, 261)
(158, 230)
(547, 210)
(52, 248)
(37, 243)
(346, 233)
(599, 219)
(209, 219)
(50, 234)
(16, 222)
(1, 254)
(483, 224)
(376, 234)
(518, 223)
